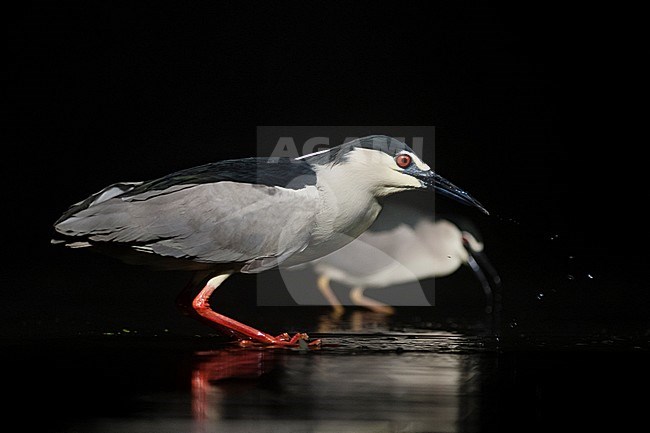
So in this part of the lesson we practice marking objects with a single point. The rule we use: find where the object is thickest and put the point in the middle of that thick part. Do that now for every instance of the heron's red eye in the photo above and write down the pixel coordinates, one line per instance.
(403, 160)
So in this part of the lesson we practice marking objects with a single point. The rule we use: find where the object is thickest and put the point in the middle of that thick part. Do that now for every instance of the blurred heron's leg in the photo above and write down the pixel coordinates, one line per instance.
(358, 298)
(491, 284)
(485, 284)
(233, 328)
(323, 283)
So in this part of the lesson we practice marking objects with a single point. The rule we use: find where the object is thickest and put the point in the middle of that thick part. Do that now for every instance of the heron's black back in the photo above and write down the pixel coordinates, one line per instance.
(283, 172)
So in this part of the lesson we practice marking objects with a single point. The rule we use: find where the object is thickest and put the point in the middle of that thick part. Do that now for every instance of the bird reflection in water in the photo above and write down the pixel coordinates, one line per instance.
(404, 246)
(329, 390)
(358, 321)
(215, 369)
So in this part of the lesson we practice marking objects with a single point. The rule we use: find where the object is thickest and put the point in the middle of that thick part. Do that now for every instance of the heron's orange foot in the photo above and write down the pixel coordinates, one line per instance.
(284, 340)
(295, 340)
(297, 337)
(284, 337)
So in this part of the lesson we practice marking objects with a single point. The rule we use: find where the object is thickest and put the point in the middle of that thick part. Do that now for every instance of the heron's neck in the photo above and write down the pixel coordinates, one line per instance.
(347, 205)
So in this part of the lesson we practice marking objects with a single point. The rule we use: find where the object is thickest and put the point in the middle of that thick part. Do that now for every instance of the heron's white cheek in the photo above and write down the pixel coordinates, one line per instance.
(411, 181)
(394, 181)
(400, 179)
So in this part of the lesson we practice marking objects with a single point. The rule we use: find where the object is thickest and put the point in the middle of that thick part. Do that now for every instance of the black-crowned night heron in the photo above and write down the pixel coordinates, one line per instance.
(404, 245)
(249, 215)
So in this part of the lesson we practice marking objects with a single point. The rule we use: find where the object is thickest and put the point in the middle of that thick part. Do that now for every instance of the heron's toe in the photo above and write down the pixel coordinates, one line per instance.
(283, 337)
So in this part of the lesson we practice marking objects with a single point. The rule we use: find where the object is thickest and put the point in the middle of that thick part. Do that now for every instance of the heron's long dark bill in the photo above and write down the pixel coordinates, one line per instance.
(442, 186)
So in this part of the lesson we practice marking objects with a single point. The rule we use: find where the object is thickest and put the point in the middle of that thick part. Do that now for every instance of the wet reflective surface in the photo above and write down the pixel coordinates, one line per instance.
(365, 378)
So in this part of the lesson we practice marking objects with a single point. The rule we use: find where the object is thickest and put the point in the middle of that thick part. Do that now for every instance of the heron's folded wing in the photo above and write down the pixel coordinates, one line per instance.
(222, 222)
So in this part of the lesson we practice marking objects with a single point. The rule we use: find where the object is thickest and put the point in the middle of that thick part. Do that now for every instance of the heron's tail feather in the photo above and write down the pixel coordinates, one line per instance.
(101, 196)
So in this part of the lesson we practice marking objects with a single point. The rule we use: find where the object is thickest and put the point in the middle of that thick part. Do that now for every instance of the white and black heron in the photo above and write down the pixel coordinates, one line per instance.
(405, 245)
(249, 215)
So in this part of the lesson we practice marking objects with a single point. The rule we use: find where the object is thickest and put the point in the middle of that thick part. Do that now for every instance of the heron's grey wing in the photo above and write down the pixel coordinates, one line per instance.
(222, 222)
(107, 193)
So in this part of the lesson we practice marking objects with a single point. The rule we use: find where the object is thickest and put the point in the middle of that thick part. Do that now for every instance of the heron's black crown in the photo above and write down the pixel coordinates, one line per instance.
(338, 154)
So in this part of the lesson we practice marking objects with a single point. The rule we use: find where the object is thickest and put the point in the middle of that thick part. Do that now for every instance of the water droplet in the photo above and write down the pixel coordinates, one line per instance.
(571, 277)
(540, 296)
(591, 277)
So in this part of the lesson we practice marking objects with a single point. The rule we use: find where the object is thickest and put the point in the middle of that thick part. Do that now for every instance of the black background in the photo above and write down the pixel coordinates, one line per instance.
(524, 101)
(536, 110)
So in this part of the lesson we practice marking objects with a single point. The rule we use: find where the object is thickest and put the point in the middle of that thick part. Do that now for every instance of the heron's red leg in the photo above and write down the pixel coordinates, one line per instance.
(185, 298)
(231, 327)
